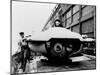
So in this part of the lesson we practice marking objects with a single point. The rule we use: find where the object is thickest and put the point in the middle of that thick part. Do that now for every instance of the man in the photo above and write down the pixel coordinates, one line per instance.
(23, 46)
(57, 23)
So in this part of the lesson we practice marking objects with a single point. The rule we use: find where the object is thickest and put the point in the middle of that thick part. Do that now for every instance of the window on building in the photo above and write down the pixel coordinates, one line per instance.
(66, 15)
(88, 27)
(76, 9)
(75, 16)
(76, 28)
(69, 17)
(65, 20)
(69, 14)
(62, 18)
(60, 12)
(65, 23)
(86, 10)
(69, 21)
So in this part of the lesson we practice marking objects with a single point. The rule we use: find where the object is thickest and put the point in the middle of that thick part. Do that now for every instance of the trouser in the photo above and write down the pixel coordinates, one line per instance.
(25, 53)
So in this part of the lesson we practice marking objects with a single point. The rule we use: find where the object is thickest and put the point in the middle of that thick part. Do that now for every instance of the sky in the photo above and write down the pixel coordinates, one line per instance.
(28, 17)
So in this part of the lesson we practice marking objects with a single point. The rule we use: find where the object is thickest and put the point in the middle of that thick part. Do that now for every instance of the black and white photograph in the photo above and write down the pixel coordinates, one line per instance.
(52, 37)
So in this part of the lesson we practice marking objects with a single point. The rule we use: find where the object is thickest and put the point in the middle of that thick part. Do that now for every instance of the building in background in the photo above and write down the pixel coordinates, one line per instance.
(77, 18)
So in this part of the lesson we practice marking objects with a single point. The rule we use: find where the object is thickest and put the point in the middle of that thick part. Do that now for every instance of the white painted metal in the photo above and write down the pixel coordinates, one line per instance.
(55, 32)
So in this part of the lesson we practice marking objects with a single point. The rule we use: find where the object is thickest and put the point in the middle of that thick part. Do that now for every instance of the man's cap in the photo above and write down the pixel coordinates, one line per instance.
(21, 33)
(58, 20)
